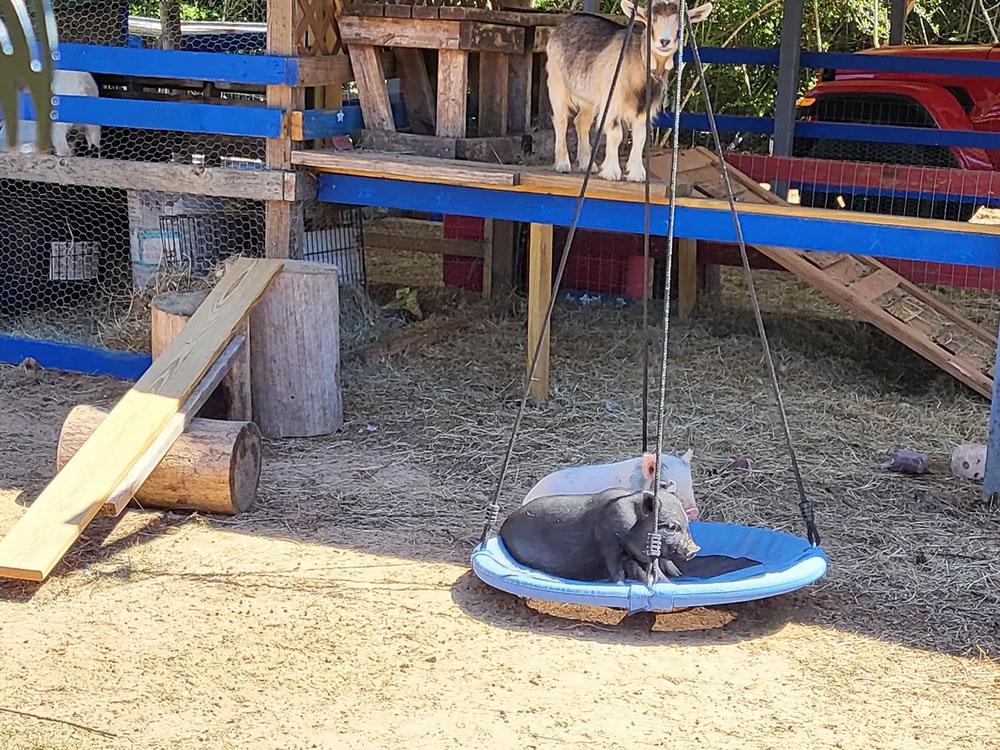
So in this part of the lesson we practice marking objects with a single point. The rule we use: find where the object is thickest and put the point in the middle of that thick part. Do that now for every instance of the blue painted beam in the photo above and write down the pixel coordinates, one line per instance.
(200, 66)
(86, 360)
(715, 224)
(842, 131)
(221, 119)
(323, 123)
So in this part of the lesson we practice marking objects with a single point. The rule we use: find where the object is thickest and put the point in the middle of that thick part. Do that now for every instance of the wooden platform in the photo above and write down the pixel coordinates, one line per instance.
(866, 287)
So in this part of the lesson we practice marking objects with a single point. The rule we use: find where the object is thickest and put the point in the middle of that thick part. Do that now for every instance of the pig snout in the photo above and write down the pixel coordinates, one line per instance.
(689, 548)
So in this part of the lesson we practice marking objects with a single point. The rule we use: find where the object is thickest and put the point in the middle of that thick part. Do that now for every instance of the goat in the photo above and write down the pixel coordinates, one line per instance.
(65, 83)
(582, 56)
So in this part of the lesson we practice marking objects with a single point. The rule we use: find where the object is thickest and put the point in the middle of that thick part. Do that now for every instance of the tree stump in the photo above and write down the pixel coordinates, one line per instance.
(295, 353)
(214, 466)
(232, 399)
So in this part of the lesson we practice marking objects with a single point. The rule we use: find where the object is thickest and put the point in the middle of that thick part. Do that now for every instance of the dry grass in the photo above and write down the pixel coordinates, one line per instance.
(900, 546)
(345, 590)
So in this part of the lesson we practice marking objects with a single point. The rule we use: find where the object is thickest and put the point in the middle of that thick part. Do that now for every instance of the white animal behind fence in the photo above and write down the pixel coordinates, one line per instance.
(582, 56)
(64, 83)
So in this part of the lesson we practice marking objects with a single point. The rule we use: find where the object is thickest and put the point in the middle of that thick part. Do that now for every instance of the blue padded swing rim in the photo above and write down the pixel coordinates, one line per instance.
(785, 563)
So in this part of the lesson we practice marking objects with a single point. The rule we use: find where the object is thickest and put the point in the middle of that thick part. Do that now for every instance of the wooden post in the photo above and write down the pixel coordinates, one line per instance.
(169, 313)
(453, 84)
(539, 296)
(214, 466)
(418, 95)
(687, 277)
(283, 224)
(372, 91)
(493, 93)
(991, 479)
(502, 244)
(295, 354)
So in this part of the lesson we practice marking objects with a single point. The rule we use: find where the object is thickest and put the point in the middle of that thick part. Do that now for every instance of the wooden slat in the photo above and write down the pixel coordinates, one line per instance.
(176, 425)
(418, 95)
(874, 285)
(399, 32)
(266, 185)
(493, 93)
(372, 91)
(539, 295)
(58, 516)
(519, 77)
(452, 93)
(418, 169)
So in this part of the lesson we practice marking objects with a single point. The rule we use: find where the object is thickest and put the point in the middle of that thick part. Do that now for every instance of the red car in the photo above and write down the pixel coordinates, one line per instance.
(910, 99)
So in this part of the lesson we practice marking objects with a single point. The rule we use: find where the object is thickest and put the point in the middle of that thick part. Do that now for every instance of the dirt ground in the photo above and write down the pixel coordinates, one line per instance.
(340, 612)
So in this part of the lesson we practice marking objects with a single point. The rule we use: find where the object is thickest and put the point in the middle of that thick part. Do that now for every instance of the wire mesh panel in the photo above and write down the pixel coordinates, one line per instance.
(334, 234)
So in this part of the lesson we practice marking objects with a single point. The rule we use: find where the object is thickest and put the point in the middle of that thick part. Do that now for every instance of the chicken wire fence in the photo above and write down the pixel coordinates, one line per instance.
(80, 264)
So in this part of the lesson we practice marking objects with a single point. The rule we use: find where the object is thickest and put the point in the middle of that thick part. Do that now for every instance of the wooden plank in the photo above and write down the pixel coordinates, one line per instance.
(416, 168)
(874, 285)
(501, 149)
(493, 93)
(687, 277)
(425, 11)
(324, 70)
(265, 184)
(488, 37)
(452, 93)
(372, 91)
(58, 516)
(399, 32)
(407, 143)
(396, 11)
(417, 235)
(539, 296)
(176, 425)
(418, 95)
(519, 78)
(284, 230)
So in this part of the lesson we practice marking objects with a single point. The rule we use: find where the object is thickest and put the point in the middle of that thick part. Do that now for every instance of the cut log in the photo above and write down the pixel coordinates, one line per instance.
(295, 353)
(169, 312)
(214, 466)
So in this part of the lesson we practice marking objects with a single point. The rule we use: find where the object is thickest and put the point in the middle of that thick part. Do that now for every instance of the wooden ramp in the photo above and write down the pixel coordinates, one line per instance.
(872, 291)
(122, 452)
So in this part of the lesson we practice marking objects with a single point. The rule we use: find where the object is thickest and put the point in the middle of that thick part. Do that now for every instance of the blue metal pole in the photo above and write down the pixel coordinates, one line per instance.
(991, 480)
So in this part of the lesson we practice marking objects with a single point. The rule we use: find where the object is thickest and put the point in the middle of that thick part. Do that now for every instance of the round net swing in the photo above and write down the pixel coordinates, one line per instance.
(735, 563)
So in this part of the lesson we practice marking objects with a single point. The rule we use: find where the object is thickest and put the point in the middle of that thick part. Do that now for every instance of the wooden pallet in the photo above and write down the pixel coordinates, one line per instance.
(871, 290)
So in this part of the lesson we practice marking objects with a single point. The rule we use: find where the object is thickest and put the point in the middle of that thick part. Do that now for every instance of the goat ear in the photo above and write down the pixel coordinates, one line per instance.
(699, 14)
(628, 6)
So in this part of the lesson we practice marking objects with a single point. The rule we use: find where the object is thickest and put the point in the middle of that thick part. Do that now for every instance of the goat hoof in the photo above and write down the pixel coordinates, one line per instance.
(563, 166)
(611, 175)
(635, 175)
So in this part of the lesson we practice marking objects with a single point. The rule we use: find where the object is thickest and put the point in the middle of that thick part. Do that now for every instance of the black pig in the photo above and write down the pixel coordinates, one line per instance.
(593, 537)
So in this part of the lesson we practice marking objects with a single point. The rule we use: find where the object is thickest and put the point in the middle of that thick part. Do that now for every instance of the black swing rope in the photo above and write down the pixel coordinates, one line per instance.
(653, 542)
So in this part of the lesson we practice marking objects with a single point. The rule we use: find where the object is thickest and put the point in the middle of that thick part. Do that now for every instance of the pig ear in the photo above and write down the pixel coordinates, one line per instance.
(688, 455)
(699, 14)
(648, 466)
